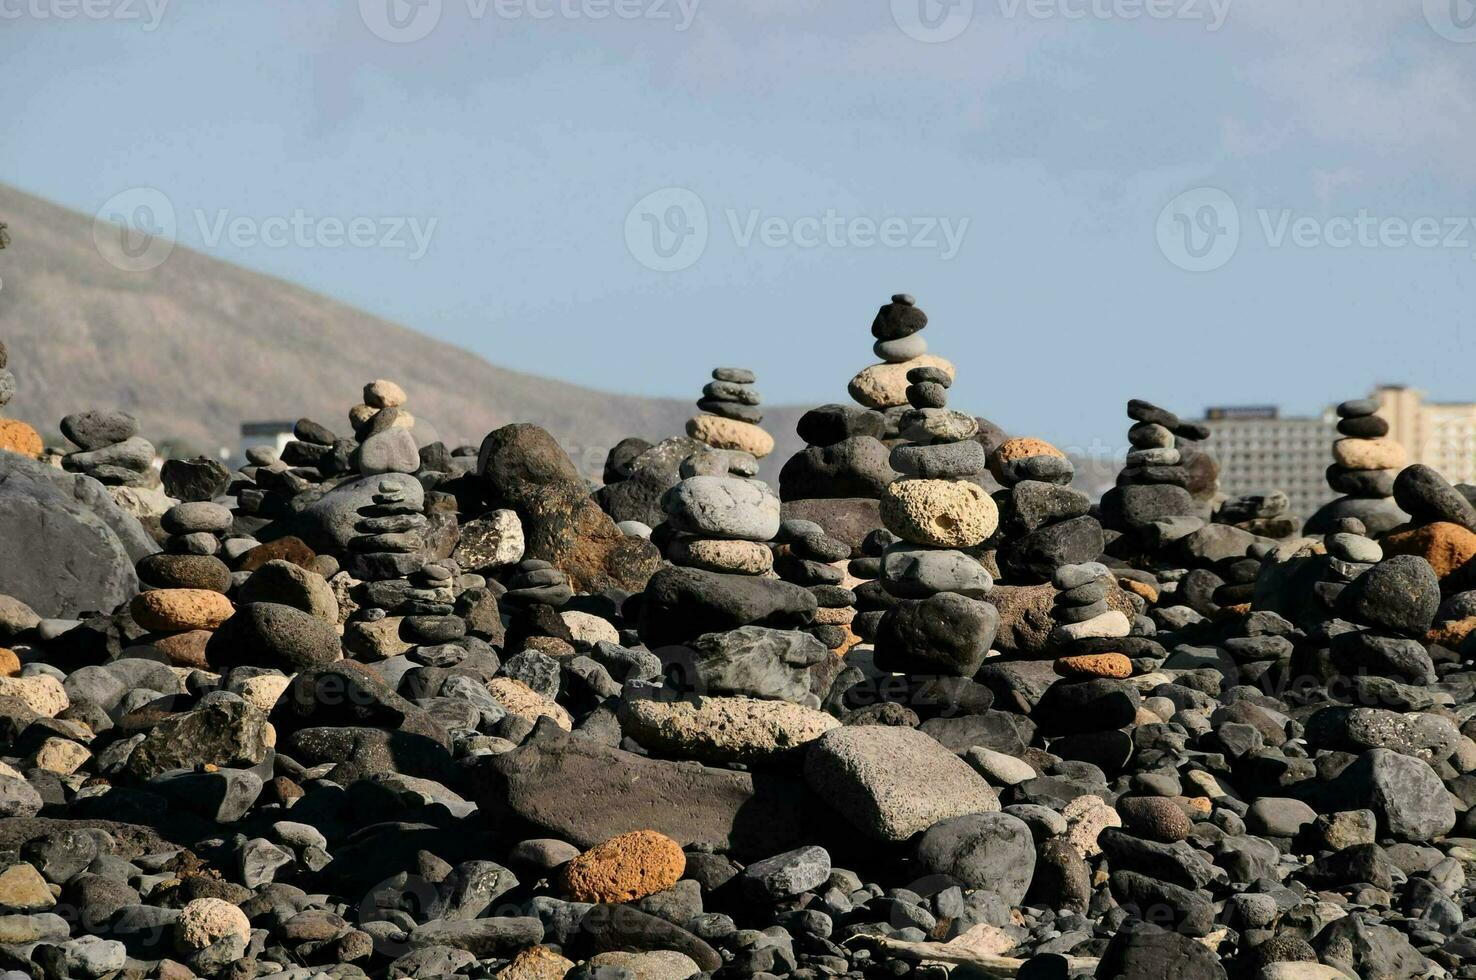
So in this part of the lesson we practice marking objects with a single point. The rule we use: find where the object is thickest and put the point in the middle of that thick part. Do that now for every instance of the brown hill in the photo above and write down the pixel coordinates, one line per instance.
(197, 346)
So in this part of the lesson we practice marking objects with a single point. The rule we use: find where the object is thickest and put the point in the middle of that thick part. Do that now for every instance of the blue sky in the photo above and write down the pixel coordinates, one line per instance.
(1193, 201)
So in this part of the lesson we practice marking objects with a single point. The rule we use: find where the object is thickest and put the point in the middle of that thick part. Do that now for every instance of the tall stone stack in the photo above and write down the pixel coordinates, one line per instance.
(1044, 522)
(109, 449)
(1151, 506)
(384, 427)
(938, 626)
(812, 559)
(731, 415)
(389, 540)
(721, 521)
(15, 435)
(1365, 463)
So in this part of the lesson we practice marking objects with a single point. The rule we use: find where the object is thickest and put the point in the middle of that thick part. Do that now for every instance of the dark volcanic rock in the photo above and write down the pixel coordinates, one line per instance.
(523, 468)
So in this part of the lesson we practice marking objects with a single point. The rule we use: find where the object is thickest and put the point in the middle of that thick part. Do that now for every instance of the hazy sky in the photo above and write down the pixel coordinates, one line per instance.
(1193, 201)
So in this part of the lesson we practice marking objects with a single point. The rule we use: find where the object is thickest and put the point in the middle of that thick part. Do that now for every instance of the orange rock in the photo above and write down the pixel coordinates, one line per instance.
(1445, 546)
(185, 649)
(1202, 804)
(1019, 448)
(1143, 589)
(1095, 665)
(625, 868)
(171, 610)
(10, 664)
(851, 640)
(17, 437)
(1451, 634)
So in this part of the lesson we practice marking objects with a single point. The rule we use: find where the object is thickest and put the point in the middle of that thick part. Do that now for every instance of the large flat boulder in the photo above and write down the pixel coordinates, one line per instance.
(570, 786)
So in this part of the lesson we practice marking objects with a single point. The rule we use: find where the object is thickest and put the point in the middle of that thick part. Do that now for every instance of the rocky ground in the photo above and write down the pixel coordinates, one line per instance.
(381, 707)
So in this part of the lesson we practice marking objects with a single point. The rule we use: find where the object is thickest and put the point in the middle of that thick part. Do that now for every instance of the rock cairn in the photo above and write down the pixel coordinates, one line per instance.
(349, 713)
(731, 414)
(109, 449)
(1365, 464)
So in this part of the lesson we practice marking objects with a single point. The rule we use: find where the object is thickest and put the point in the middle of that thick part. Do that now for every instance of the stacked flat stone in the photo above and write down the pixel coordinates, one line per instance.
(810, 558)
(1084, 607)
(1044, 522)
(898, 331)
(1266, 515)
(719, 519)
(15, 435)
(187, 584)
(731, 416)
(938, 625)
(1365, 463)
(1151, 503)
(315, 447)
(110, 450)
(390, 533)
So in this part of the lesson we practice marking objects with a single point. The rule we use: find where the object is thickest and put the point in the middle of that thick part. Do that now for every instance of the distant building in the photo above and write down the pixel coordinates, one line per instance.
(274, 435)
(1261, 450)
(1442, 435)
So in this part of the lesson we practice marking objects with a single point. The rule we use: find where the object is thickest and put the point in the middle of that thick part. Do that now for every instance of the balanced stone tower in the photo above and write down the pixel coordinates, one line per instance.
(938, 626)
(1365, 463)
(731, 415)
(1151, 507)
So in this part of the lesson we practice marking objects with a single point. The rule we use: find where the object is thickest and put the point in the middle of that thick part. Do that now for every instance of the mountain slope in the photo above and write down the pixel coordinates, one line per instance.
(197, 346)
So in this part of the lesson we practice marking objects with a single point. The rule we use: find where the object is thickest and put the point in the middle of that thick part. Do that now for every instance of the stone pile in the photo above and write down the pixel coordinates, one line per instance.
(109, 449)
(1365, 464)
(731, 414)
(380, 708)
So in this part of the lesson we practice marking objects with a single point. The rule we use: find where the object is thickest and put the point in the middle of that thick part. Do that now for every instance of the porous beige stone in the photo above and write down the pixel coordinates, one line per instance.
(22, 889)
(624, 868)
(942, 513)
(885, 385)
(206, 920)
(519, 699)
(1115, 665)
(381, 393)
(721, 433)
(536, 963)
(1086, 818)
(723, 729)
(1369, 454)
(715, 555)
(174, 610)
(263, 690)
(41, 693)
(61, 756)
(589, 628)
